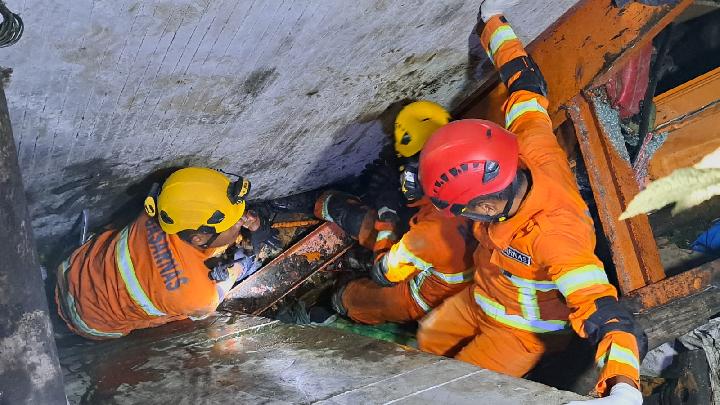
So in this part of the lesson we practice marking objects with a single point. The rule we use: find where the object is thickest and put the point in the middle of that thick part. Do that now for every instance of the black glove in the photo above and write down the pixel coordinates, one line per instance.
(388, 201)
(265, 235)
(382, 175)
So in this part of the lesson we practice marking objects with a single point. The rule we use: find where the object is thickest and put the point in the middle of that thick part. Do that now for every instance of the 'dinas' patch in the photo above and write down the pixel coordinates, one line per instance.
(517, 256)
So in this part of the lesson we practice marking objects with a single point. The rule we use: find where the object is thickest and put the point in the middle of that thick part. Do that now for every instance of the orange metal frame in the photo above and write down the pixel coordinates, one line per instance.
(581, 52)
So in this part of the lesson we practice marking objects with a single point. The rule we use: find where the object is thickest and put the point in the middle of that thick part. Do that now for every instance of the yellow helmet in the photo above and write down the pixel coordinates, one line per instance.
(198, 198)
(415, 123)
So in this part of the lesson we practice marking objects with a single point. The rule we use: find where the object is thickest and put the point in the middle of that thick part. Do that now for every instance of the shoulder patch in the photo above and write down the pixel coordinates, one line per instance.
(517, 255)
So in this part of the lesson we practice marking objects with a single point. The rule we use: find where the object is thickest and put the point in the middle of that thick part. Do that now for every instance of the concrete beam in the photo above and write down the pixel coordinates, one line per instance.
(29, 369)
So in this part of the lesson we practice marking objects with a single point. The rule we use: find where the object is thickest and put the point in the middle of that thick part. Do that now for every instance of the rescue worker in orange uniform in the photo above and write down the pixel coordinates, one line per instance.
(154, 270)
(413, 272)
(536, 275)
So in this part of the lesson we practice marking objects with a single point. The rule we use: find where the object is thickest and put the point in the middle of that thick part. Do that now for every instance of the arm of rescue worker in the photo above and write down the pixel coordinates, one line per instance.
(526, 107)
(386, 228)
(567, 253)
(222, 288)
(426, 247)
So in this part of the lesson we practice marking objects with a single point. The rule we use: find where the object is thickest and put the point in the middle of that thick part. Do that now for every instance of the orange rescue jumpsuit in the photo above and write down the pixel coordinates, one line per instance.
(431, 262)
(536, 274)
(135, 278)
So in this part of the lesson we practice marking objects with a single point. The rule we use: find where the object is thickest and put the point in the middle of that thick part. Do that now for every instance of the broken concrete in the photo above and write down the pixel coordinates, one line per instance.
(244, 359)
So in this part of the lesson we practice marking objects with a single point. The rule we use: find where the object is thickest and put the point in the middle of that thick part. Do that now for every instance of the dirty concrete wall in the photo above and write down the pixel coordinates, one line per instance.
(285, 92)
(29, 368)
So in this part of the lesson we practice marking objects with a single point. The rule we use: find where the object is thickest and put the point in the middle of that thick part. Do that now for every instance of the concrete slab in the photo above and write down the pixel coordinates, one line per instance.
(247, 359)
(285, 92)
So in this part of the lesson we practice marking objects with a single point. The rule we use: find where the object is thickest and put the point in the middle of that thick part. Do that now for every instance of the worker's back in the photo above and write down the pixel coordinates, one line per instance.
(134, 278)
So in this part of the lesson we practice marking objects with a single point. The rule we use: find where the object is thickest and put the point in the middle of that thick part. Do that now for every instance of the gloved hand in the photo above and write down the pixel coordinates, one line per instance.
(250, 265)
(620, 394)
(388, 202)
(709, 241)
(265, 235)
(382, 175)
(490, 8)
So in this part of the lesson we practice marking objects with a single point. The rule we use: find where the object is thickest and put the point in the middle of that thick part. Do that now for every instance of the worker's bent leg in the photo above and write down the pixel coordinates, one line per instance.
(366, 302)
(501, 349)
(450, 326)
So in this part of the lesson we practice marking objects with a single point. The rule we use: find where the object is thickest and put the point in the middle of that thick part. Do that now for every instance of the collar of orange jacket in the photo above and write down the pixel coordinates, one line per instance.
(537, 199)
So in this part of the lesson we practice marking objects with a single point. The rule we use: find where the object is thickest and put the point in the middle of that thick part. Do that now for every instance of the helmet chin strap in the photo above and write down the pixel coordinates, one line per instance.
(210, 241)
(505, 214)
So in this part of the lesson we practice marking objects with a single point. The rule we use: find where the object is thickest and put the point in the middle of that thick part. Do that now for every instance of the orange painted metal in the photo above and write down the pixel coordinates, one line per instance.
(690, 114)
(634, 251)
(673, 288)
(587, 45)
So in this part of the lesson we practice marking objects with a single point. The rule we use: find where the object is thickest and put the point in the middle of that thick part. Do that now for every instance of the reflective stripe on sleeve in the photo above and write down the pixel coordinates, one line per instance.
(501, 35)
(127, 272)
(383, 235)
(521, 108)
(401, 254)
(415, 285)
(619, 354)
(580, 278)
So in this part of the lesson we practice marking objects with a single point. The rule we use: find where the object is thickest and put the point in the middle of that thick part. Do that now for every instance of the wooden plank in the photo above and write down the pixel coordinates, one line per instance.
(676, 287)
(689, 114)
(634, 251)
(690, 96)
(668, 322)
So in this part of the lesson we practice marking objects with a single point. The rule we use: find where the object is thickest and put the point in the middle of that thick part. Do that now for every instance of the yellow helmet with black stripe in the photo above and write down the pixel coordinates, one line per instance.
(414, 125)
(198, 198)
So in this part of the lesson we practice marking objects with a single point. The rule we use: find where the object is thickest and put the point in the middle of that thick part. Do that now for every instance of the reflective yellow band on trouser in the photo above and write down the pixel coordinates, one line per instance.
(521, 108)
(497, 312)
(415, 284)
(454, 278)
(71, 312)
(621, 355)
(127, 272)
(501, 35)
(582, 277)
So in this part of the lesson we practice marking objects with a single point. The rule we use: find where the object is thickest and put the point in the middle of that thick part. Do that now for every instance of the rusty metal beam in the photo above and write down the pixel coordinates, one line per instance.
(672, 288)
(633, 246)
(287, 271)
(584, 47)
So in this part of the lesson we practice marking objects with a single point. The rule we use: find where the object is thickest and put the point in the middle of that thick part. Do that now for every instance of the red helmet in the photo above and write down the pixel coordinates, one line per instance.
(467, 159)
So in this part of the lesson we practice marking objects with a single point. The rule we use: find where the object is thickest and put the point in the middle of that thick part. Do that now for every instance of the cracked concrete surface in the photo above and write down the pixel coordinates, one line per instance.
(247, 359)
